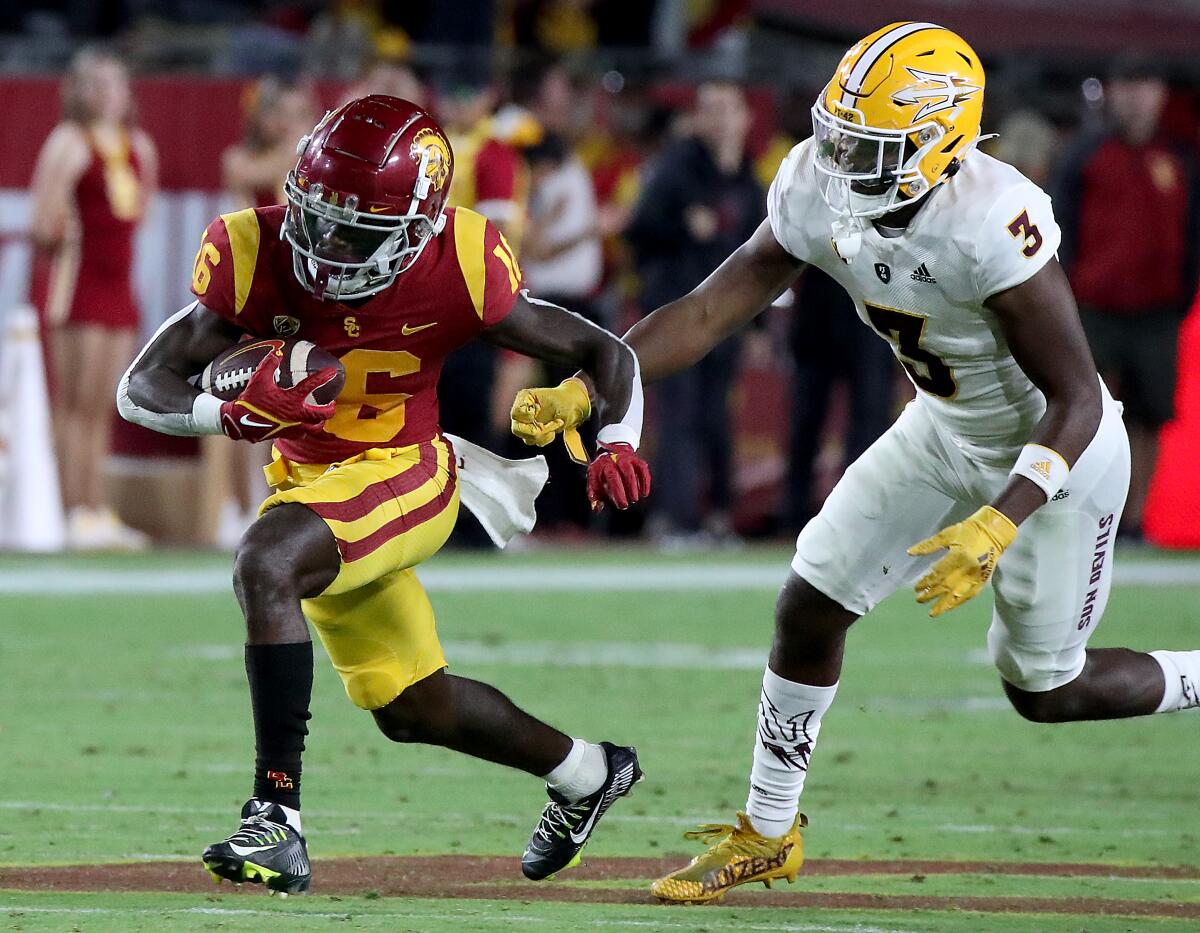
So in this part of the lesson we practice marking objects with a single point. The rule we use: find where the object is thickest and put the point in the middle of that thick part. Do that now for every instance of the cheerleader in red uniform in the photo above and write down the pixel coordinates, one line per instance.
(94, 179)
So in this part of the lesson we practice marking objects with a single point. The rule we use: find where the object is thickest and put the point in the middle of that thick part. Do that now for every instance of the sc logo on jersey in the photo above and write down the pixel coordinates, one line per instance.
(884, 272)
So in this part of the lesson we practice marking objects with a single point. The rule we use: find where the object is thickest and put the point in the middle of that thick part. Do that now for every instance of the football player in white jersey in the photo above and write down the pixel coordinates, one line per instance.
(1011, 464)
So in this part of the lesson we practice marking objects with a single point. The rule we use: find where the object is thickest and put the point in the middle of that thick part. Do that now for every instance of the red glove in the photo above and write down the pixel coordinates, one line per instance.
(617, 475)
(266, 409)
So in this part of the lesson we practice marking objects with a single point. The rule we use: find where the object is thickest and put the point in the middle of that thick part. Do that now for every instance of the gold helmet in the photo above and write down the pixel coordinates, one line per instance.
(902, 110)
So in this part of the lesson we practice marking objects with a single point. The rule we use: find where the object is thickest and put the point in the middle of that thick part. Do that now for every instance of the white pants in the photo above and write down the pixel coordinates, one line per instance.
(1051, 585)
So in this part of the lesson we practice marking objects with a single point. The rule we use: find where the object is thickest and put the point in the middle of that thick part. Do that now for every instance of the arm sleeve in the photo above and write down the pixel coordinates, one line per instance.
(205, 416)
(1018, 237)
(784, 202)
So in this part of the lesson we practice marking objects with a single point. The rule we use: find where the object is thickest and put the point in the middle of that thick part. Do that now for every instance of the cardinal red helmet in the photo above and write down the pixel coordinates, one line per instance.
(366, 196)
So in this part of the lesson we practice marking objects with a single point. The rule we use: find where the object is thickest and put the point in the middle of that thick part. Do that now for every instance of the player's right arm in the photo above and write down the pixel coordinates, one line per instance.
(155, 392)
(679, 334)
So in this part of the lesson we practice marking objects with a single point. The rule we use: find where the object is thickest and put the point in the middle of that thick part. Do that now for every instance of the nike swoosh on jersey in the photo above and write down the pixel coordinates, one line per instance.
(408, 330)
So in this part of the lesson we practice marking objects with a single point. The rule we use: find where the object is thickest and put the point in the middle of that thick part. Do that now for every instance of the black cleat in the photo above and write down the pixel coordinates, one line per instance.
(264, 850)
(565, 827)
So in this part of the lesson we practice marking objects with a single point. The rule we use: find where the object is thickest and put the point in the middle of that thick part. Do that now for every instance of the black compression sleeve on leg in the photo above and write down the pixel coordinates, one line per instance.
(281, 679)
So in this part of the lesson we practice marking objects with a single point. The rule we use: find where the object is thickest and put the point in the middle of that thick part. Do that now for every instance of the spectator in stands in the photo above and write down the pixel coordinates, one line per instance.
(700, 201)
(490, 175)
(278, 113)
(1027, 141)
(563, 263)
(95, 177)
(829, 346)
(1129, 205)
(793, 112)
(394, 78)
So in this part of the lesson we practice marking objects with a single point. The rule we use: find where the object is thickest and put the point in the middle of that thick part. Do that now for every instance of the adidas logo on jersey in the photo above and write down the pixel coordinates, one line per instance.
(921, 274)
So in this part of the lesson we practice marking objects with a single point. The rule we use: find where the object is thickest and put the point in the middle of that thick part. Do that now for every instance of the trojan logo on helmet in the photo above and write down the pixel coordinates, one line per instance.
(432, 150)
(367, 194)
(902, 110)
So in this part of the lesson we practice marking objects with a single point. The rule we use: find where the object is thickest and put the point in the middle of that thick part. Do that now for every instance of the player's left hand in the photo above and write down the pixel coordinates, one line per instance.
(540, 414)
(975, 544)
(617, 476)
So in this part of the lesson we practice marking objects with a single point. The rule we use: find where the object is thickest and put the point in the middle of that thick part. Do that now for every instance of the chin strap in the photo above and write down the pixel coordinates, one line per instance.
(847, 237)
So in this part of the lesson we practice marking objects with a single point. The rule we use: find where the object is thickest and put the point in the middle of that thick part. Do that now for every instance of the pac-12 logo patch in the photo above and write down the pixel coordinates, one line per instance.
(884, 272)
(285, 325)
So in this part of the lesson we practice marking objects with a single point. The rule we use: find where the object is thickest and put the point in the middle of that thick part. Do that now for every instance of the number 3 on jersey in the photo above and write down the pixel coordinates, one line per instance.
(905, 330)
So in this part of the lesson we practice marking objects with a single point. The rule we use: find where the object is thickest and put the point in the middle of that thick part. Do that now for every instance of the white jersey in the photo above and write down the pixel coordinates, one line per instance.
(986, 230)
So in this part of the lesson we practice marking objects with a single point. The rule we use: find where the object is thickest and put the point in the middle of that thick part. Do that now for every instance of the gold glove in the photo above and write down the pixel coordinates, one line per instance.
(540, 414)
(975, 544)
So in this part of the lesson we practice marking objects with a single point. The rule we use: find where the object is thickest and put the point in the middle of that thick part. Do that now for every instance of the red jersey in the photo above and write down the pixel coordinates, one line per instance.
(108, 201)
(392, 344)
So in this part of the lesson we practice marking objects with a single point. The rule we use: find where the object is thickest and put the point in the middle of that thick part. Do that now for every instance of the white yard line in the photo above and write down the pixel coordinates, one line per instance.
(502, 576)
(458, 913)
(399, 816)
(631, 654)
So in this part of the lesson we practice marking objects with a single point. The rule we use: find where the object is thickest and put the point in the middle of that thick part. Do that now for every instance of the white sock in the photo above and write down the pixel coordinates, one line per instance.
(293, 818)
(290, 814)
(789, 718)
(580, 773)
(1181, 671)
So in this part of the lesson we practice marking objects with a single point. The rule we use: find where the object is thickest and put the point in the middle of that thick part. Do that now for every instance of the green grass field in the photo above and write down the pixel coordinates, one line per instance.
(125, 736)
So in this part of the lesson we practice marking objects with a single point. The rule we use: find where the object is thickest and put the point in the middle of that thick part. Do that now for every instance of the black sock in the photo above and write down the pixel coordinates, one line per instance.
(280, 689)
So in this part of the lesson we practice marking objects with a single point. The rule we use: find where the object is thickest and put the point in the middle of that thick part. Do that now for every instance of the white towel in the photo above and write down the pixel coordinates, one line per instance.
(499, 492)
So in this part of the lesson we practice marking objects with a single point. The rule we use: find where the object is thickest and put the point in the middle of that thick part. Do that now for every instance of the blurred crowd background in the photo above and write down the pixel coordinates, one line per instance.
(625, 150)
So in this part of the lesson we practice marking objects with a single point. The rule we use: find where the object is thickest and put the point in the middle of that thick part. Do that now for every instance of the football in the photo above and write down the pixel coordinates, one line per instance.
(227, 375)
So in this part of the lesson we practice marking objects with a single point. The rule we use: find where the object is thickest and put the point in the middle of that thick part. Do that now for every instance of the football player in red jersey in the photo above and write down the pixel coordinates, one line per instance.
(366, 261)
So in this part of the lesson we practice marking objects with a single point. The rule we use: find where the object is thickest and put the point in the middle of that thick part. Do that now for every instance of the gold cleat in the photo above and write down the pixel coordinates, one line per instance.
(738, 855)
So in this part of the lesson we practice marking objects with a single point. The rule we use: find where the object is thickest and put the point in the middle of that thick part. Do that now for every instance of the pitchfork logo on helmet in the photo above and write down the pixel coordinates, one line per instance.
(902, 111)
(935, 92)
(366, 196)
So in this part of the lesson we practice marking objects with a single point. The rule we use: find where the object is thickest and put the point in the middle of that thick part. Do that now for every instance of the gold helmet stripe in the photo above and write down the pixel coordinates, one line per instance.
(872, 54)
